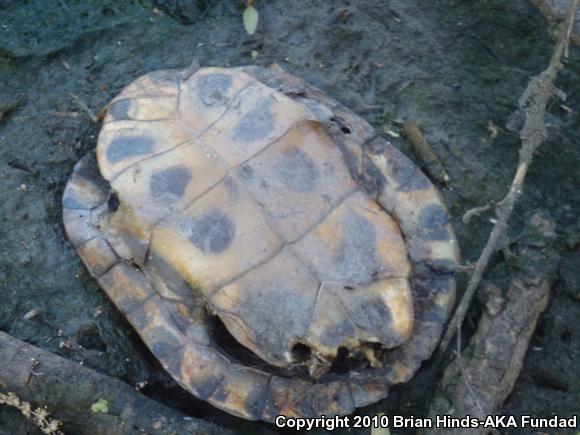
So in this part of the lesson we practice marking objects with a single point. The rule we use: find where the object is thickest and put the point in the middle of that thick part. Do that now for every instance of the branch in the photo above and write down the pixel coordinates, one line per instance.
(479, 380)
(68, 390)
(534, 101)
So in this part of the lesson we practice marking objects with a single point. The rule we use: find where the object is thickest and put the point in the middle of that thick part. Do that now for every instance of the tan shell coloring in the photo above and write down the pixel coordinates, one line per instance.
(244, 203)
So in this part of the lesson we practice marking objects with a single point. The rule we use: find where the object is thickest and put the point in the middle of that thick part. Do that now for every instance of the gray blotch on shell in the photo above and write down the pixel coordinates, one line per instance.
(129, 146)
(213, 89)
(357, 259)
(170, 182)
(257, 123)
(119, 110)
(213, 232)
(297, 171)
(407, 175)
(433, 222)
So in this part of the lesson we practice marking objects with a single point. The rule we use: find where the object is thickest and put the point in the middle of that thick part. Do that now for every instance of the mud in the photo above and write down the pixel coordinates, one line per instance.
(457, 68)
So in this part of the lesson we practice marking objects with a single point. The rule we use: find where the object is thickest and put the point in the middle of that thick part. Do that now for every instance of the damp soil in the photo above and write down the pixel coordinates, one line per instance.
(457, 68)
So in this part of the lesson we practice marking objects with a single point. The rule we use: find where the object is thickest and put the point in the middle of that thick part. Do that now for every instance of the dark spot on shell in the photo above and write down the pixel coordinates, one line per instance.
(170, 182)
(247, 172)
(433, 221)
(407, 174)
(297, 171)
(357, 260)
(119, 110)
(213, 232)
(213, 89)
(113, 203)
(129, 146)
(257, 123)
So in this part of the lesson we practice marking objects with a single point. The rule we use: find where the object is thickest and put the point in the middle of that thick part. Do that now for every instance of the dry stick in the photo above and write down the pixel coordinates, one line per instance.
(68, 390)
(535, 99)
(481, 377)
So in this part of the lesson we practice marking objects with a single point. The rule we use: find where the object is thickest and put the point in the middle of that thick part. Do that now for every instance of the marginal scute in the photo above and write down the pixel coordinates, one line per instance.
(77, 224)
(367, 391)
(433, 221)
(283, 397)
(334, 397)
(86, 191)
(202, 369)
(248, 195)
(97, 255)
(242, 392)
(153, 84)
(154, 108)
(126, 287)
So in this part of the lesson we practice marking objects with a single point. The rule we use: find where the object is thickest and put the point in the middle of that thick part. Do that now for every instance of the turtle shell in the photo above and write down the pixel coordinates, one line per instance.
(275, 254)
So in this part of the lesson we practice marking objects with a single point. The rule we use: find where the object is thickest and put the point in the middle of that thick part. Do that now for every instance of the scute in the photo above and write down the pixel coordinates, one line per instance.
(298, 179)
(248, 195)
(216, 238)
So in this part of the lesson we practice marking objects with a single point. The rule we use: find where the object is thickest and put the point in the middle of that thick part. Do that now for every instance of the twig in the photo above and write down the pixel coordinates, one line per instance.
(83, 106)
(534, 99)
(476, 211)
(424, 152)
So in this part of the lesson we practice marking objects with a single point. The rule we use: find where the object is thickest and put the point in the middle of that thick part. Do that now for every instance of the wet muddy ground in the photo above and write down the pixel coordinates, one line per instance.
(455, 67)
